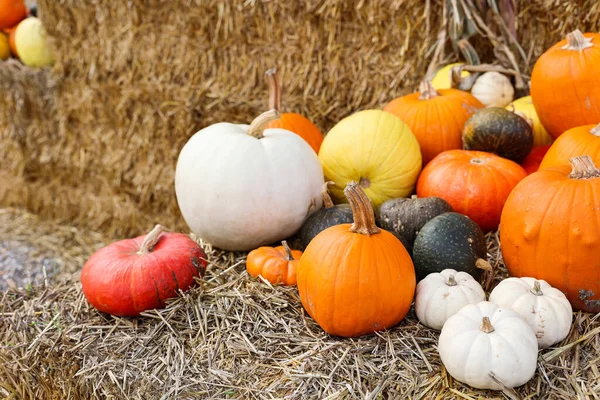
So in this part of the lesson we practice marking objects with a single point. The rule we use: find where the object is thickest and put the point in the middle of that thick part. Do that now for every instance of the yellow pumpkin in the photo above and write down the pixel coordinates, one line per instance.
(443, 78)
(32, 44)
(524, 107)
(4, 47)
(375, 149)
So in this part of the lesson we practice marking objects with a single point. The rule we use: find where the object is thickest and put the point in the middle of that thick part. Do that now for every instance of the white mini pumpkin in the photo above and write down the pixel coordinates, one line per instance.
(239, 187)
(544, 308)
(493, 89)
(484, 340)
(442, 294)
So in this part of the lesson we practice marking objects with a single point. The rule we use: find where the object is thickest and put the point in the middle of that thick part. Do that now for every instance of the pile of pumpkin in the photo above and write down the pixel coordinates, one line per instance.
(22, 35)
(367, 244)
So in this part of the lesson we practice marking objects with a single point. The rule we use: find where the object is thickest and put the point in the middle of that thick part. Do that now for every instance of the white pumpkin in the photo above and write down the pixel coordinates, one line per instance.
(493, 89)
(239, 188)
(442, 294)
(544, 308)
(484, 340)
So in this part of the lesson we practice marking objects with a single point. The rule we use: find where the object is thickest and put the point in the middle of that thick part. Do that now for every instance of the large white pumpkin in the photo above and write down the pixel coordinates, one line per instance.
(442, 294)
(485, 340)
(239, 187)
(544, 308)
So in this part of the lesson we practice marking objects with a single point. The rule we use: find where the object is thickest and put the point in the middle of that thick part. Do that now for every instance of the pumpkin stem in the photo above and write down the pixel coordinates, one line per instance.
(327, 202)
(288, 251)
(362, 211)
(427, 91)
(486, 326)
(451, 281)
(583, 168)
(151, 239)
(274, 89)
(258, 125)
(576, 41)
(595, 130)
(537, 290)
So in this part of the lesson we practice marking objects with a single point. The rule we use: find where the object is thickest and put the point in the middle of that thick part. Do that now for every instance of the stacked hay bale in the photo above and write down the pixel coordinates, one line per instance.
(96, 140)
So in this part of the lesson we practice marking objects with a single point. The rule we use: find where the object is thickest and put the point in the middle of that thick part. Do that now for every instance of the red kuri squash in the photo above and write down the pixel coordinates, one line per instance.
(550, 230)
(474, 183)
(532, 162)
(135, 275)
(574, 142)
(436, 118)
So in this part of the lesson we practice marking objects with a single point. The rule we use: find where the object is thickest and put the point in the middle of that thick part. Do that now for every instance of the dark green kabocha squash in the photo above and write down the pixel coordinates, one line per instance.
(497, 130)
(450, 240)
(405, 217)
(327, 216)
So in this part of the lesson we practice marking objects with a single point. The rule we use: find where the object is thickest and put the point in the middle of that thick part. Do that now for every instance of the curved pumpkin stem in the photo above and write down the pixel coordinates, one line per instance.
(362, 211)
(258, 125)
(288, 251)
(274, 89)
(576, 41)
(583, 168)
(327, 202)
(595, 130)
(486, 326)
(537, 290)
(427, 91)
(151, 239)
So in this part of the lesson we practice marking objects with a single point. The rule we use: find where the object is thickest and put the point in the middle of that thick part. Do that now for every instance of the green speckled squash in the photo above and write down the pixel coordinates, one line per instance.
(450, 240)
(326, 217)
(405, 217)
(497, 130)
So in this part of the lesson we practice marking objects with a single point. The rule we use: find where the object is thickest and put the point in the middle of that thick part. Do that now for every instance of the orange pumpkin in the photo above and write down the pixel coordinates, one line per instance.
(11, 40)
(11, 13)
(532, 162)
(550, 230)
(474, 183)
(574, 142)
(275, 264)
(436, 118)
(356, 279)
(565, 88)
(293, 122)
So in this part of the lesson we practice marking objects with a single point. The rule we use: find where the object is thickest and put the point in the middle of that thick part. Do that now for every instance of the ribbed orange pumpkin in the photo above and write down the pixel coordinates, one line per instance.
(11, 13)
(474, 183)
(550, 229)
(565, 88)
(574, 142)
(278, 265)
(532, 162)
(356, 279)
(436, 118)
(293, 122)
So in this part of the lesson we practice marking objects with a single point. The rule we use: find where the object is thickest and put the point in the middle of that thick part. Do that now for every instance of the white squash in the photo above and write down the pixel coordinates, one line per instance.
(239, 187)
(442, 294)
(493, 89)
(544, 308)
(485, 340)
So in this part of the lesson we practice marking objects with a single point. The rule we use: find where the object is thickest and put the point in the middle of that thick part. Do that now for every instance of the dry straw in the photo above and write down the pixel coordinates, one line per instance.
(234, 337)
(134, 80)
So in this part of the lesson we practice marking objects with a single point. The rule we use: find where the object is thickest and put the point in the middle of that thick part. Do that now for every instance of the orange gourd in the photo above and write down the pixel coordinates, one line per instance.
(474, 183)
(356, 279)
(436, 118)
(550, 230)
(565, 88)
(293, 122)
(532, 162)
(11, 40)
(11, 13)
(574, 142)
(277, 265)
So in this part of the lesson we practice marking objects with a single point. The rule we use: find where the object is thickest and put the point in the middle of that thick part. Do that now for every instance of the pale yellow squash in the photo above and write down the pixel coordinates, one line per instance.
(524, 107)
(442, 78)
(374, 148)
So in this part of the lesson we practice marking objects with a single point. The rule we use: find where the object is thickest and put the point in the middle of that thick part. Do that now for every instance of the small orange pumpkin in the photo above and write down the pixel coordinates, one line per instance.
(356, 279)
(474, 183)
(576, 141)
(569, 69)
(550, 230)
(275, 264)
(11, 13)
(293, 122)
(436, 118)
